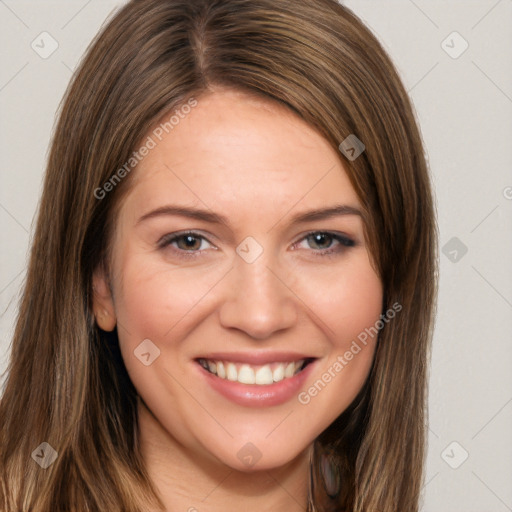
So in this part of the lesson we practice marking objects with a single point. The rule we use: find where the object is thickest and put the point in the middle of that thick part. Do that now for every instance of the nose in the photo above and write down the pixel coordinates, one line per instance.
(258, 300)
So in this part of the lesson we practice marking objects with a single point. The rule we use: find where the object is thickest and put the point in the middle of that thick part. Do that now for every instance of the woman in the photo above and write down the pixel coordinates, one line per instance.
(232, 284)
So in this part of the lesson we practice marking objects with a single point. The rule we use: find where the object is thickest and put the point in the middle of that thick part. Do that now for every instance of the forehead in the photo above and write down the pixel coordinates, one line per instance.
(234, 152)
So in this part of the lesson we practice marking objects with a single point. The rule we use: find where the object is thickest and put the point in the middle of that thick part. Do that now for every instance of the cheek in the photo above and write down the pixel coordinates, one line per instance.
(349, 305)
(336, 302)
(357, 305)
(154, 297)
(346, 298)
(155, 300)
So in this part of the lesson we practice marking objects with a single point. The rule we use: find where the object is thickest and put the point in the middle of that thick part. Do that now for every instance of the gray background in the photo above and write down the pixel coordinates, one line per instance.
(464, 106)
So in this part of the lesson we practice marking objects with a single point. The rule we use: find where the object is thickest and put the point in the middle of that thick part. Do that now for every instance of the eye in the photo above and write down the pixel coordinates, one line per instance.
(327, 243)
(183, 243)
(190, 244)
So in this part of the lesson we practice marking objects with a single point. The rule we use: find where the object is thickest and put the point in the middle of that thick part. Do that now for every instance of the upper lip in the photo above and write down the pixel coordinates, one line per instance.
(256, 358)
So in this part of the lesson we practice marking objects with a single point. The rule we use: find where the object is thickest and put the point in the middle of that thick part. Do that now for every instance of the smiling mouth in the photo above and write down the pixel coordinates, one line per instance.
(262, 375)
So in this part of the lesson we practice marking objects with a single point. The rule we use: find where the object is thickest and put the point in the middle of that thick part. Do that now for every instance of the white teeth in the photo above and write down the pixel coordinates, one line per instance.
(248, 374)
(278, 373)
(264, 375)
(221, 372)
(289, 370)
(231, 372)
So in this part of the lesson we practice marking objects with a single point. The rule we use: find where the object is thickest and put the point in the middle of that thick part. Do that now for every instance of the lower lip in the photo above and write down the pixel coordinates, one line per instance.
(254, 395)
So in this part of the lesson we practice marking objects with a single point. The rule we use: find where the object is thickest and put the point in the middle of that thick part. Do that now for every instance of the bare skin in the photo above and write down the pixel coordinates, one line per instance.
(258, 165)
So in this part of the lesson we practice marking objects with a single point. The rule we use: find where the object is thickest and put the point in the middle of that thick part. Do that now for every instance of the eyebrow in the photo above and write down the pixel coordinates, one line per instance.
(216, 218)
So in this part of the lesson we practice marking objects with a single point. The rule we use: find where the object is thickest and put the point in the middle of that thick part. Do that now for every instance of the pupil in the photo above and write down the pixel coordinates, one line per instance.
(190, 241)
(319, 237)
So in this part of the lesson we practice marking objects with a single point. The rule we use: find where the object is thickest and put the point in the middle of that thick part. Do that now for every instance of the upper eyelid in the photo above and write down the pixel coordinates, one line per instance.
(171, 237)
(335, 235)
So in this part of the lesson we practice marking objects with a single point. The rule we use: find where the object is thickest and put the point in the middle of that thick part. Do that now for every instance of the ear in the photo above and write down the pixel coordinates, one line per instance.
(103, 303)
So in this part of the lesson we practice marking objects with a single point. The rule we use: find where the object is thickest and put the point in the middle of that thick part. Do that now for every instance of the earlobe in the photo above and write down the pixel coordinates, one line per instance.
(103, 304)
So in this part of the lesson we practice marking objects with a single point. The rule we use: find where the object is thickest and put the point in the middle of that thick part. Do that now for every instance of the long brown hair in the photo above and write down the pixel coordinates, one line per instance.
(66, 383)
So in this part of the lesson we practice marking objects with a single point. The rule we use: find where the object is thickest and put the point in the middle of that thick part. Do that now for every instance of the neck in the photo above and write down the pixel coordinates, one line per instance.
(187, 482)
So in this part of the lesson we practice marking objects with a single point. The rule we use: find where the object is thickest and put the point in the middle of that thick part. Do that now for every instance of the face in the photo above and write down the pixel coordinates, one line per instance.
(238, 310)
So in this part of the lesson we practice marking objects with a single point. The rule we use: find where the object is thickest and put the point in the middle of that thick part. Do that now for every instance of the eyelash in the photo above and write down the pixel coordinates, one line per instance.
(343, 242)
